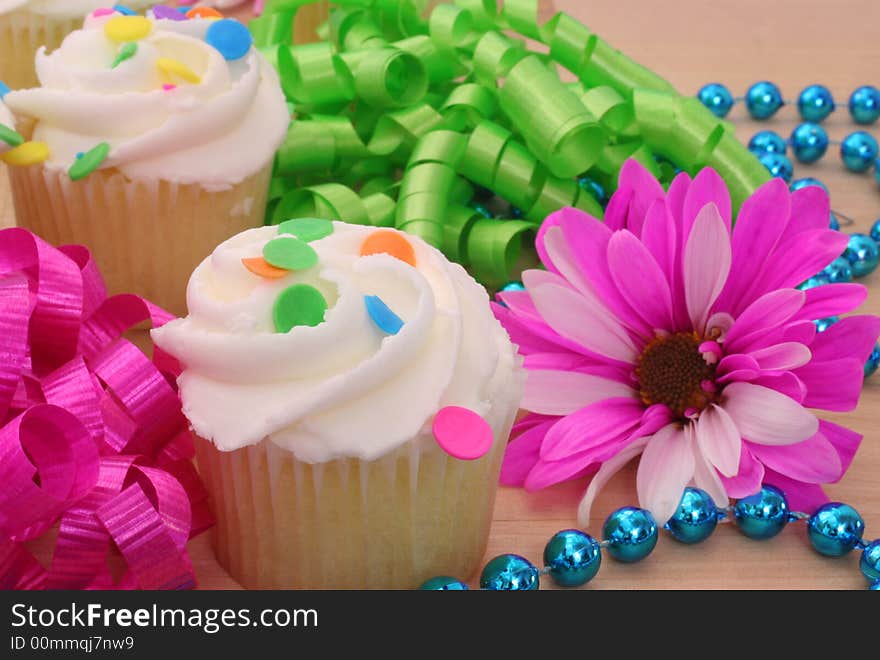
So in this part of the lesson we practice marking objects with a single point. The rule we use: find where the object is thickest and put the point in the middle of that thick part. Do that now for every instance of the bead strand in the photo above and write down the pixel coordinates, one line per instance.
(572, 557)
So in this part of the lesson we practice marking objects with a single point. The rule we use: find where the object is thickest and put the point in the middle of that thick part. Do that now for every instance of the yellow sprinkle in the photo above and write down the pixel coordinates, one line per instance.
(174, 67)
(29, 153)
(127, 28)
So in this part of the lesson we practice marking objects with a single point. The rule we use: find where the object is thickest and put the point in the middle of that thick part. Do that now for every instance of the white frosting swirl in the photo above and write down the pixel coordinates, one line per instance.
(342, 388)
(65, 8)
(215, 133)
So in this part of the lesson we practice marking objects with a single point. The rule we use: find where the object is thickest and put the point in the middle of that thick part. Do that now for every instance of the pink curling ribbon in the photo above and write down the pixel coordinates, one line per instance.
(94, 450)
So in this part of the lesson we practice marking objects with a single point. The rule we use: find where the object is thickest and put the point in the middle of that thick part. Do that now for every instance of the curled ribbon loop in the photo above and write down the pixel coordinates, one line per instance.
(402, 116)
(92, 438)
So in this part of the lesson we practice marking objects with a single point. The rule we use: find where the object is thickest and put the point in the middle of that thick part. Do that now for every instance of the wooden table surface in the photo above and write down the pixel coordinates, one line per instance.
(692, 42)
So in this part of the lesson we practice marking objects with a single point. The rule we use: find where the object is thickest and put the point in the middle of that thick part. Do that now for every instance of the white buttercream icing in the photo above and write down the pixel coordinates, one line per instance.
(341, 388)
(65, 8)
(216, 132)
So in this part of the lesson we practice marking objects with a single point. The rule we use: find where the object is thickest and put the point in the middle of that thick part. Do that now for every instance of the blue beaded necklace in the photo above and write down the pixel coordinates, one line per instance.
(572, 557)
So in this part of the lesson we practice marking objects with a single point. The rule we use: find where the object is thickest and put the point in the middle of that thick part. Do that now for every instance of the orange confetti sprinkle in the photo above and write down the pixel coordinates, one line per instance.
(389, 242)
(203, 12)
(261, 267)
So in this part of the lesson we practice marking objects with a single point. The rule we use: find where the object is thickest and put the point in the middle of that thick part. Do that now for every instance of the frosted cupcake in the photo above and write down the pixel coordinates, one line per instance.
(352, 395)
(151, 141)
(25, 25)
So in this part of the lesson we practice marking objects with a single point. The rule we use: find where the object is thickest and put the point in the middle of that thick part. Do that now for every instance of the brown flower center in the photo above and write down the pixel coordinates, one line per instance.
(672, 371)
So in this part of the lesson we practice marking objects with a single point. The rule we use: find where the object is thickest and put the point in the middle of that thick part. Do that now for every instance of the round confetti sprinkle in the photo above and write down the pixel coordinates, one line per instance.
(230, 37)
(89, 162)
(462, 433)
(386, 320)
(167, 87)
(306, 229)
(4, 89)
(203, 12)
(122, 9)
(389, 242)
(259, 266)
(177, 68)
(10, 137)
(164, 12)
(28, 153)
(298, 305)
(127, 28)
(103, 11)
(289, 252)
(126, 52)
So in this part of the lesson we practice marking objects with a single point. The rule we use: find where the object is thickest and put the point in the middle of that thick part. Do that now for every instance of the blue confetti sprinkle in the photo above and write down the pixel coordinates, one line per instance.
(122, 9)
(4, 89)
(386, 320)
(230, 37)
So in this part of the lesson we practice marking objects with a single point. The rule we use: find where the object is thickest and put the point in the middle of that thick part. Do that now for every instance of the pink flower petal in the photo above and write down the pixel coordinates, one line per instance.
(719, 440)
(845, 441)
(559, 251)
(767, 312)
(737, 367)
(782, 357)
(797, 258)
(551, 221)
(640, 280)
(666, 467)
(831, 299)
(591, 427)
(706, 264)
(833, 385)
(852, 337)
(707, 478)
(761, 221)
(564, 392)
(521, 454)
(659, 236)
(748, 478)
(786, 383)
(814, 461)
(603, 476)
(575, 318)
(548, 473)
(810, 209)
(646, 190)
(675, 197)
(618, 209)
(707, 188)
(766, 417)
(801, 496)
(531, 336)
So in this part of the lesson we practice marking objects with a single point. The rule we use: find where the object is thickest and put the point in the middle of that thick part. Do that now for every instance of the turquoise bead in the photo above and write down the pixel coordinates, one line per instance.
(631, 534)
(875, 586)
(869, 564)
(695, 518)
(858, 151)
(823, 324)
(510, 573)
(877, 171)
(809, 142)
(573, 557)
(762, 515)
(835, 529)
(833, 222)
(594, 188)
(767, 142)
(819, 279)
(513, 286)
(778, 165)
(763, 99)
(717, 98)
(863, 254)
(839, 271)
(864, 105)
(815, 103)
(797, 184)
(875, 230)
(873, 361)
(443, 583)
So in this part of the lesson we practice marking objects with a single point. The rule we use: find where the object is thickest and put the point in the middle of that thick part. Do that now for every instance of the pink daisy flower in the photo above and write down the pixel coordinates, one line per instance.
(664, 332)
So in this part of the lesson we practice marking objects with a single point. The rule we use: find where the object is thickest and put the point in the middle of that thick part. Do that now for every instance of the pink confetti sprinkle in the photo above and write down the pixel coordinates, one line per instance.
(168, 87)
(462, 433)
(102, 11)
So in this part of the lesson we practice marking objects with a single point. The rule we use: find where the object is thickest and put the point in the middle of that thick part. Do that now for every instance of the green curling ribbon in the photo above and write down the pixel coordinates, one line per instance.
(403, 114)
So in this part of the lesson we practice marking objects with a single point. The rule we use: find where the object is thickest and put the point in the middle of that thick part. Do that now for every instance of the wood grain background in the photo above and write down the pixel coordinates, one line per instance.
(691, 42)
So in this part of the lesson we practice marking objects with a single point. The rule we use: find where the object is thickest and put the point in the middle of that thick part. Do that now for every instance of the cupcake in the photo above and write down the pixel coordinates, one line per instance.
(26, 25)
(158, 136)
(351, 396)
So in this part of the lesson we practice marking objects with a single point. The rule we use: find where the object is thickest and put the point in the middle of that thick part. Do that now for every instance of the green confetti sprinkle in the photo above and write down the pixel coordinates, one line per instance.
(307, 229)
(10, 137)
(290, 253)
(298, 305)
(90, 161)
(126, 52)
